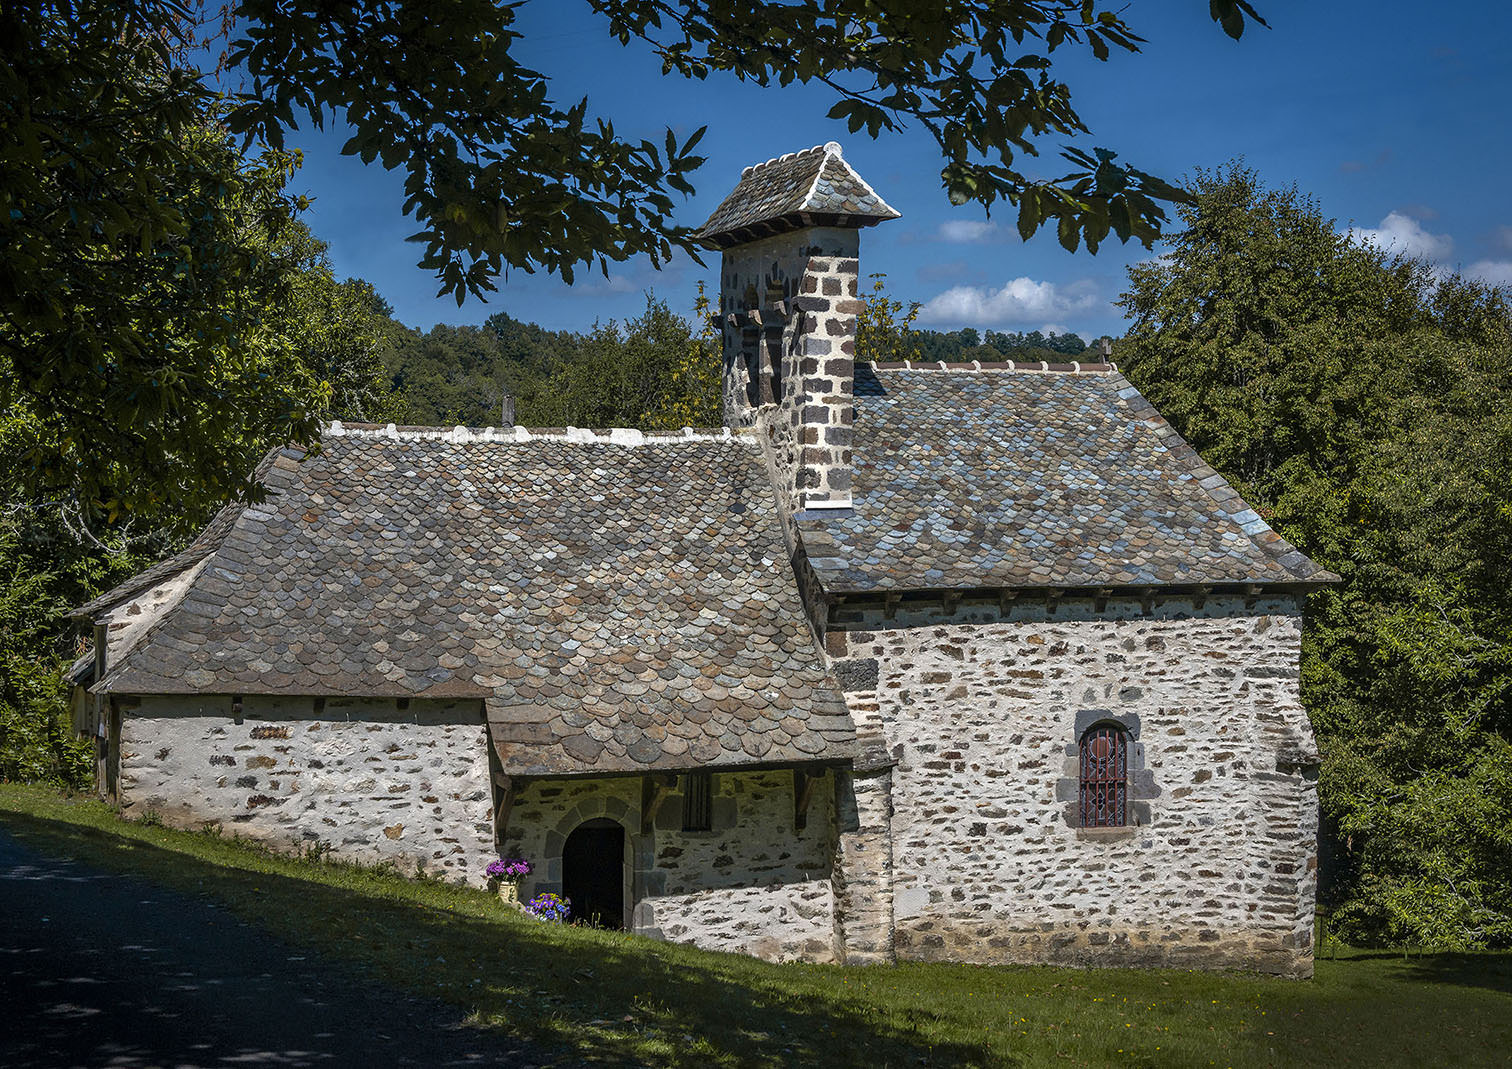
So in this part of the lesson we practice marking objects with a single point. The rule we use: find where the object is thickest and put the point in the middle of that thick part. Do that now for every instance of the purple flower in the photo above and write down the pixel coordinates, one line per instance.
(549, 907)
(508, 868)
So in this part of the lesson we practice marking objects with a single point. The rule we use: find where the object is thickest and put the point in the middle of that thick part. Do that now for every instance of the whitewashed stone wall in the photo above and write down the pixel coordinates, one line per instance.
(981, 712)
(753, 884)
(362, 779)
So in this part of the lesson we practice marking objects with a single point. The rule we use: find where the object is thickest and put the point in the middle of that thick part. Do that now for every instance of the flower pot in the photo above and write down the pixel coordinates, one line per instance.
(508, 892)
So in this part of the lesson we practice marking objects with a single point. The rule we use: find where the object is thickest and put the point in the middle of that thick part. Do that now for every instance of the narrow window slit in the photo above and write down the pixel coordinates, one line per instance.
(698, 806)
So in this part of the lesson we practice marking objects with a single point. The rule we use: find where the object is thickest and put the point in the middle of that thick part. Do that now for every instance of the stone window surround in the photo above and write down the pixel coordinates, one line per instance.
(1142, 785)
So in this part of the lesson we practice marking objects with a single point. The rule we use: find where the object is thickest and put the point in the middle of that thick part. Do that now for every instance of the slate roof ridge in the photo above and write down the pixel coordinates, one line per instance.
(625, 436)
(788, 157)
(1217, 488)
(969, 366)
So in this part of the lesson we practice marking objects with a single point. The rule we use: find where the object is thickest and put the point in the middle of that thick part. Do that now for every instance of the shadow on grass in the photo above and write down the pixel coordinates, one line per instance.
(602, 997)
(1487, 970)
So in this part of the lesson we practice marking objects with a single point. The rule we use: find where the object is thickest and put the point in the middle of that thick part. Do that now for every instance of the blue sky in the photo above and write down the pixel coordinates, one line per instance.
(1391, 113)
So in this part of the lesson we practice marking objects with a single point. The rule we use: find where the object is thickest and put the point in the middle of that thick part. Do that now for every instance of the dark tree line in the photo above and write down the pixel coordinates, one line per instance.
(1363, 401)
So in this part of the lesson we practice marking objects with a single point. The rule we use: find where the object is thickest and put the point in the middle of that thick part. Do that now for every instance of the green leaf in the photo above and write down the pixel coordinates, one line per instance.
(1029, 213)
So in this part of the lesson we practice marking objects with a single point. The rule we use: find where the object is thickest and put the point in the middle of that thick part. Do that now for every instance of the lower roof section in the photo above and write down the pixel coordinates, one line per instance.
(619, 605)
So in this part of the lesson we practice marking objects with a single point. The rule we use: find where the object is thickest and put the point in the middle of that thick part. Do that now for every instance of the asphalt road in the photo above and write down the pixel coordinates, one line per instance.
(98, 969)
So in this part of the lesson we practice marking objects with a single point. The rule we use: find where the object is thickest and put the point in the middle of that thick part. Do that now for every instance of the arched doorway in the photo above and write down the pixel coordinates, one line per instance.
(593, 873)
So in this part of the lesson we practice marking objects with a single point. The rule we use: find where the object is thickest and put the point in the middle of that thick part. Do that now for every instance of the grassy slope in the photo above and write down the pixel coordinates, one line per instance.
(618, 998)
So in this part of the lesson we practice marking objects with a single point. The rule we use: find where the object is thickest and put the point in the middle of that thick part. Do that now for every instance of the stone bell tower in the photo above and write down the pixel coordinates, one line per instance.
(790, 237)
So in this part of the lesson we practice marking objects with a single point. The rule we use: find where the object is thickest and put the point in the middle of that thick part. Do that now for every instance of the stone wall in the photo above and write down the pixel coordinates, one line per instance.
(361, 779)
(981, 710)
(863, 881)
(793, 372)
(753, 884)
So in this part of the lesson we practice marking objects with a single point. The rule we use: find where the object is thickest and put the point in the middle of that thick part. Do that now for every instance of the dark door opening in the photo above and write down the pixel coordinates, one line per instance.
(593, 873)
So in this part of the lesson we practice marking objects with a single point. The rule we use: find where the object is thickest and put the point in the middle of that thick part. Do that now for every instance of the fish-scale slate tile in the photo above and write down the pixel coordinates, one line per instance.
(772, 196)
(1022, 479)
(617, 608)
(208, 541)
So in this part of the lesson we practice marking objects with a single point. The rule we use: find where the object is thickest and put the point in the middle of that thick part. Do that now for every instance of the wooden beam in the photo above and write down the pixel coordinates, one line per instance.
(951, 601)
(101, 648)
(803, 791)
(506, 787)
(1100, 602)
(654, 791)
(890, 605)
(1006, 599)
(1052, 600)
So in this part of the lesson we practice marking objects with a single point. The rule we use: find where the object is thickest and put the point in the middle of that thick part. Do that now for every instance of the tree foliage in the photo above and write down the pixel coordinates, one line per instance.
(885, 328)
(452, 375)
(657, 372)
(500, 176)
(967, 344)
(143, 255)
(143, 249)
(1362, 401)
(56, 553)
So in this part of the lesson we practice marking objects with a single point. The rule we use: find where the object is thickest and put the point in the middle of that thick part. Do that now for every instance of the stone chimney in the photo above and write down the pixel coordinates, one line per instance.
(789, 234)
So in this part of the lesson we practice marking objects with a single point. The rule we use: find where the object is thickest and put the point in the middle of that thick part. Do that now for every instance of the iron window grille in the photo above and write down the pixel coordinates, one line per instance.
(1105, 777)
(698, 805)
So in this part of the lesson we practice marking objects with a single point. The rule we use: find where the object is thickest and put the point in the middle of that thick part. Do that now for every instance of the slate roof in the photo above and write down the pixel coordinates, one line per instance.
(208, 539)
(777, 195)
(618, 606)
(1026, 479)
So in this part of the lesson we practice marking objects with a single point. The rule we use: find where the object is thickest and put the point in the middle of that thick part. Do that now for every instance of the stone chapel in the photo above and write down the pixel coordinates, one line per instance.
(952, 662)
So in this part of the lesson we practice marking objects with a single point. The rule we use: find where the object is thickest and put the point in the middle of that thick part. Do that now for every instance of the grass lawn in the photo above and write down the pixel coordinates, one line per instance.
(620, 999)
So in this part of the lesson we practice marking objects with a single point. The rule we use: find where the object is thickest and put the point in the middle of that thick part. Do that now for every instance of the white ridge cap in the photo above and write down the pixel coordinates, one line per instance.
(459, 435)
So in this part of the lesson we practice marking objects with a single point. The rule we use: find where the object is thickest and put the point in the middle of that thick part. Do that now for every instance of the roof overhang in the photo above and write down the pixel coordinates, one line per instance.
(783, 224)
(856, 602)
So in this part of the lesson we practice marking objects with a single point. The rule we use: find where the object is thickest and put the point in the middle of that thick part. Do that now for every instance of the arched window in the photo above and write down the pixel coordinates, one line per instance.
(1105, 777)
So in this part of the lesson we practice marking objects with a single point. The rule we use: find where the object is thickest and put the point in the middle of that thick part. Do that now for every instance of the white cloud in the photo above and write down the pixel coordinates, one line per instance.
(1496, 272)
(1021, 302)
(1400, 233)
(967, 230)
